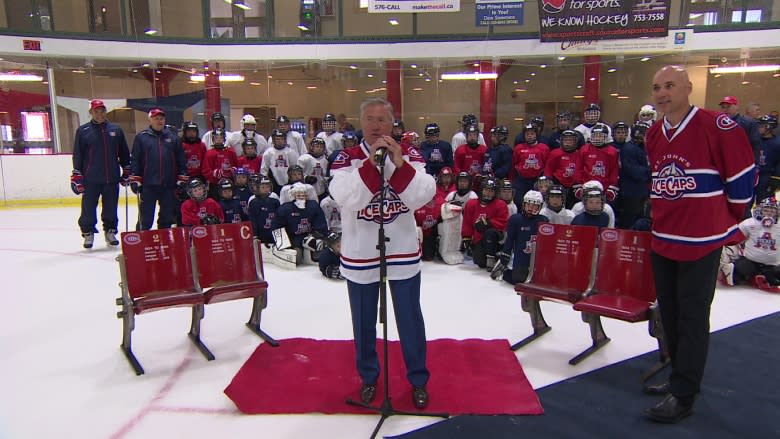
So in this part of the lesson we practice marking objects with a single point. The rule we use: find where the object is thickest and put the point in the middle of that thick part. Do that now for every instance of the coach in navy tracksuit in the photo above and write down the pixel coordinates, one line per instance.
(158, 165)
(99, 152)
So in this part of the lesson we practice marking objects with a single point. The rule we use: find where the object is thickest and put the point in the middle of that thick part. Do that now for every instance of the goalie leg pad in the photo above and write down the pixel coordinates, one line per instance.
(287, 258)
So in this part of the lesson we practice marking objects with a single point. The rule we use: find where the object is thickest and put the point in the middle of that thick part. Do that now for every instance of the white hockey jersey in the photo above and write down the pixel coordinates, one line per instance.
(563, 217)
(276, 162)
(332, 213)
(294, 141)
(356, 187)
(761, 243)
(234, 140)
(332, 142)
(316, 167)
(460, 139)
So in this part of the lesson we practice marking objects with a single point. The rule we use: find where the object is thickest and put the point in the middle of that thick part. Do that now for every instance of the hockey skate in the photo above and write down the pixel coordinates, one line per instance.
(110, 236)
(89, 239)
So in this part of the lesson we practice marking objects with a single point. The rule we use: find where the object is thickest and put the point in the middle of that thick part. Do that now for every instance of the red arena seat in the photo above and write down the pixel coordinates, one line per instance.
(561, 270)
(156, 272)
(624, 288)
(229, 266)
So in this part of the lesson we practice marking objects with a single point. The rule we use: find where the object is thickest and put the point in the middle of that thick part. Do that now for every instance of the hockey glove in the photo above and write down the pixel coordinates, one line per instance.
(503, 257)
(217, 173)
(312, 243)
(577, 191)
(124, 180)
(611, 194)
(498, 271)
(482, 224)
(77, 182)
(310, 179)
(209, 220)
(465, 245)
(135, 183)
(181, 181)
(333, 272)
(228, 173)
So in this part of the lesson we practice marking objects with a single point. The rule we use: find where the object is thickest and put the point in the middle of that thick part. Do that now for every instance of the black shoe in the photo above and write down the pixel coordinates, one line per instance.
(669, 411)
(657, 389)
(368, 393)
(420, 397)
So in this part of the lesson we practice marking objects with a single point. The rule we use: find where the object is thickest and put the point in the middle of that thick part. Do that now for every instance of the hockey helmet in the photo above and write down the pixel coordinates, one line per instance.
(196, 189)
(599, 134)
(218, 138)
(638, 131)
(468, 119)
(767, 212)
(532, 203)
(501, 132)
(294, 174)
(248, 119)
(489, 188)
(647, 114)
(432, 129)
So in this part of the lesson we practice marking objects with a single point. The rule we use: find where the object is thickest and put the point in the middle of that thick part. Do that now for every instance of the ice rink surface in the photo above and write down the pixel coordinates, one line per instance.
(63, 374)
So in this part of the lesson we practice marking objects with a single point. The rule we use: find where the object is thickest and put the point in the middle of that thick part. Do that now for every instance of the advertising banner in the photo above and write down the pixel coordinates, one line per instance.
(410, 6)
(588, 20)
(499, 12)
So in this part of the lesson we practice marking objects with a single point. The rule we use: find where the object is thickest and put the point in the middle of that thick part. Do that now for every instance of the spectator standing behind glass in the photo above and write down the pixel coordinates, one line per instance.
(158, 166)
(99, 153)
(356, 186)
(703, 172)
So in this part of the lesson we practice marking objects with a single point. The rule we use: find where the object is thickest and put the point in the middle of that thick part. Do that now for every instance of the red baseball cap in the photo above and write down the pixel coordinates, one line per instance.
(96, 103)
(731, 100)
(156, 112)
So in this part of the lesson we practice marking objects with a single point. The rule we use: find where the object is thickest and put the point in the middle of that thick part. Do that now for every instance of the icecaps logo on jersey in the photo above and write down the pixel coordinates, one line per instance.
(598, 169)
(131, 238)
(303, 227)
(724, 122)
(570, 169)
(546, 229)
(392, 209)
(436, 156)
(281, 161)
(766, 242)
(531, 162)
(672, 183)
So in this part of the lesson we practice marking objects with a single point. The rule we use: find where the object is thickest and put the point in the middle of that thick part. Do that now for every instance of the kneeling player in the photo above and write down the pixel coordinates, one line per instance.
(520, 235)
(555, 207)
(593, 215)
(199, 209)
(760, 263)
(484, 222)
(262, 208)
(304, 222)
(330, 257)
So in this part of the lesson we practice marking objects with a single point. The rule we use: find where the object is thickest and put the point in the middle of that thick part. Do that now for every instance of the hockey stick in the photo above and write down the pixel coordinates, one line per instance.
(127, 214)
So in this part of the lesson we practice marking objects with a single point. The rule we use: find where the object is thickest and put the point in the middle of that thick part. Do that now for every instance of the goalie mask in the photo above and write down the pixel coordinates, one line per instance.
(532, 203)
(329, 123)
(592, 114)
(766, 212)
(197, 190)
(300, 195)
(647, 114)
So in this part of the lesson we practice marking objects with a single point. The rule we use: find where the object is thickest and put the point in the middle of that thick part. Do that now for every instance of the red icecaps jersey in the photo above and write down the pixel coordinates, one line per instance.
(223, 159)
(600, 164)
(470, 160)
(194, 153)
(528, 161)
(192, 211)
(253, 165)
(562, 166)
(496, 211)
(429, 215)
(442, 192)
(703, 174)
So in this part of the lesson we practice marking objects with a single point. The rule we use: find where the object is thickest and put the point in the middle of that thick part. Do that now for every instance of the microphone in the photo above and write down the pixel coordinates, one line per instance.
(380, 155)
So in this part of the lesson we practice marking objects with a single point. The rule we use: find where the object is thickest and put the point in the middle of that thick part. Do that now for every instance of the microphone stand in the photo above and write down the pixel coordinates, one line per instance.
(386, 409)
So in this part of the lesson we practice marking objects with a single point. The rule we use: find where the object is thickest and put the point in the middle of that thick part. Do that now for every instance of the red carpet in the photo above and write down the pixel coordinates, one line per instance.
(317, 376)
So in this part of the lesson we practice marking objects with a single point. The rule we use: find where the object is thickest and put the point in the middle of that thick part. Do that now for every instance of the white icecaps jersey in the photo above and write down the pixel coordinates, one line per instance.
(332, 142)
(563, 217)
(276, 162)
(294, 141)
(236, 139)
(332, 213)
(356, 186)
(316, 167)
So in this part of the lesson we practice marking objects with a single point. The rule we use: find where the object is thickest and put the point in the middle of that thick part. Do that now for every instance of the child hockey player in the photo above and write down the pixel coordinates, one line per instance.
(427, 218)
(303, 221)
(555, 206)
(314, 165)
(277, 160)
(451, 219)
(250, 160)
(262, 208)
(760, 263)
(593, 215)
(199, 209)
(330, 257)
(506, 192)
(484, 222)
(520, 235)
(220, 162)
(470, 156)
(230, 205)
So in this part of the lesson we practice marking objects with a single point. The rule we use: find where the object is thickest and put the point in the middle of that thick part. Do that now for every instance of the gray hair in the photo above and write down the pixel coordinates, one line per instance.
(370, 102)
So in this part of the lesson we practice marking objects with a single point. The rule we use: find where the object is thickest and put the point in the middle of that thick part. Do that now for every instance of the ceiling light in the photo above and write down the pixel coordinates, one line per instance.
(393, 22)
(150, 32)
(476, 64)
(746, 69)
(270, 77)
(614, 95)
(351, 90)
(239, 4)
(646, 58)
(612, 70)
(776, 75)
(78, 71)
(474, 75)
(579, 86)
(623, 97)
(290, 83)
(578, 97)
(427, 79)
(20, 77)
(353, 67)
(146, 64)
(527, 81)
(561, 58)
(533, 74)
(255, 83)
(717, 75)
(311, 87)
(303, 27)
(370, 75)
(417, 89)
(414, 66)
(543, 66)
(223, 77)
(592, 78)
(520, 89)
(514, 82)
(745, 82)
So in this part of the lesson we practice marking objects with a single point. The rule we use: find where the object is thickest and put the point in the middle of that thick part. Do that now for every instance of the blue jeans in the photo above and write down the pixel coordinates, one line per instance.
(363, 301)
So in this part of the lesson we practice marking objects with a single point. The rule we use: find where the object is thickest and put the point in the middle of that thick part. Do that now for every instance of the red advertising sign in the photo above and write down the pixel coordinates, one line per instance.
(588, 20)
(31, 45)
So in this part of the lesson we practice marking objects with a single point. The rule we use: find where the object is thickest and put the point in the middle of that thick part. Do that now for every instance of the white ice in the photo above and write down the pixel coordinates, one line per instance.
(63, 374)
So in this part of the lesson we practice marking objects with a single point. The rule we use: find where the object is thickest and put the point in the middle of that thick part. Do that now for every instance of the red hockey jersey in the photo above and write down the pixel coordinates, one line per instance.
(469, 160)
(496, 211)
(528, 160)
(253, 165)
(194, 153)
(219, 163)
(562, 166)
(429, 215)
(703, 174)
(600, 164)
(192, 211)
